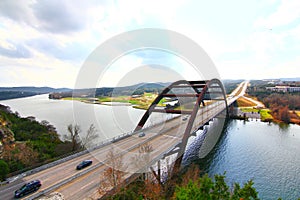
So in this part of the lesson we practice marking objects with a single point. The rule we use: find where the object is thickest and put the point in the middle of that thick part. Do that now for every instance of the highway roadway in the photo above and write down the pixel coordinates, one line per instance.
(54, 175)
(85, 182)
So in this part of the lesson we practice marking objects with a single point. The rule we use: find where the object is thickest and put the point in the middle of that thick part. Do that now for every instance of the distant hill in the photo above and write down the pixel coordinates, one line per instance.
(136, 89)
(112, 91)
(41, 90)
(19, 92)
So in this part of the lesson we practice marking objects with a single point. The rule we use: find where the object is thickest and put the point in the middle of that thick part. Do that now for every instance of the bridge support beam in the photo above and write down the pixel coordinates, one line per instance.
(206, 92)
(158, 174)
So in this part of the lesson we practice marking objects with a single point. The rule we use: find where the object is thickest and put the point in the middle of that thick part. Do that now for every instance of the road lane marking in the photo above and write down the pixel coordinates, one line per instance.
(171, 136)
(92, 182)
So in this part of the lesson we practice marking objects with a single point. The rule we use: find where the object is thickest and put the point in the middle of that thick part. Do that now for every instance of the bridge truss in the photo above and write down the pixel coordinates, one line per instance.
(190, 97)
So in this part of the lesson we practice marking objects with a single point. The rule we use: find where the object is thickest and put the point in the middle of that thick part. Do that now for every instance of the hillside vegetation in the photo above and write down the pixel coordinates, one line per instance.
(24, 142)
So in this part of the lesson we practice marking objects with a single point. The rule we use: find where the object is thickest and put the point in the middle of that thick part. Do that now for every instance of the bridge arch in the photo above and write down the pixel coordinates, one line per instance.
(191, 96)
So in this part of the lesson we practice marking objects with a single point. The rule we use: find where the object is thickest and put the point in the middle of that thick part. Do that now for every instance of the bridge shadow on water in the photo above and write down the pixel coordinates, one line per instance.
(201, 147)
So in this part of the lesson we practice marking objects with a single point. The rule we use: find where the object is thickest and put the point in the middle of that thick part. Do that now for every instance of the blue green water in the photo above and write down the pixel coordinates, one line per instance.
(268, 154)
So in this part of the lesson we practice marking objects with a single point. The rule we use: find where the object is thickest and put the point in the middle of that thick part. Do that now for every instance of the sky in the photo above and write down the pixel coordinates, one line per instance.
(46, 43)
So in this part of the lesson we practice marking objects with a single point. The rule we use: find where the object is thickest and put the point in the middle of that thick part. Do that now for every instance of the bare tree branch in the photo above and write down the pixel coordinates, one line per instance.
(91, 135)
(114, 174)
(73, 136)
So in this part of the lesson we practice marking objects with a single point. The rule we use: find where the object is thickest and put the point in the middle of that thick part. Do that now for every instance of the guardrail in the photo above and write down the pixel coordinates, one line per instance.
(65, 181)
(104, 143)
(69, 157)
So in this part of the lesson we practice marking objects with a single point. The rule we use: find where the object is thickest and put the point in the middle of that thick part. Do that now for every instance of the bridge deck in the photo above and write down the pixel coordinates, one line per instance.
(163, 138)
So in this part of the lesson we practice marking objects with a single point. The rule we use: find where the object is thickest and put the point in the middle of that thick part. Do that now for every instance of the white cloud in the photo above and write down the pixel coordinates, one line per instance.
(286, 13)
(59, 40)
(40, 70)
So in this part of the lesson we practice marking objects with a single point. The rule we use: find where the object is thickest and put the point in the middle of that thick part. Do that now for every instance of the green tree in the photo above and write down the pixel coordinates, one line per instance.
(4, 170)
(207, 189)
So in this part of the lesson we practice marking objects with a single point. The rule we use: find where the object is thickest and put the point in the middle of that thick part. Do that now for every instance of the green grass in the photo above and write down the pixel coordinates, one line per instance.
(74, 98)
(265, 115)
(121, 99)
(142, 102)
(247, 109)
(148, 94)
(104, 99)
(133, 101)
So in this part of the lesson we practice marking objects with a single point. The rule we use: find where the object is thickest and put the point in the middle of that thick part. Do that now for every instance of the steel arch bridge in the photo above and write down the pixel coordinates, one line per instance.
(190, 97)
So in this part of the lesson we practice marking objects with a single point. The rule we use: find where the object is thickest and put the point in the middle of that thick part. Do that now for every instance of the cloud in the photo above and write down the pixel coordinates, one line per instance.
(73, 51)
(59, 17)
(56, 36)
(55, 16)
(15, 51)
(38, 71)
(16, 10)
(286, 13)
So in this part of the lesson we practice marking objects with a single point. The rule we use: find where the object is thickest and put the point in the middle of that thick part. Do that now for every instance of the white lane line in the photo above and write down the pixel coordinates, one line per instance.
(171, 136)
(90, 183)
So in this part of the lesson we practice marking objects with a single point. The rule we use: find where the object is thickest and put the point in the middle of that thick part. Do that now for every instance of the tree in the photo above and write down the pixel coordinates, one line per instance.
(192, 174)
(245, 192)
(142, 159)
(113, 175)
(189, 186)
(284, 115)
(4, 170)
(152, 189)
(74, 136)
(77, 142)
(49, 126)
(208, 189)
(91, 135)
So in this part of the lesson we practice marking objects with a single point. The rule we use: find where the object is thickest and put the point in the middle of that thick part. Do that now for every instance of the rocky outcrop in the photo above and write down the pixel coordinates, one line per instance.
(6, 137)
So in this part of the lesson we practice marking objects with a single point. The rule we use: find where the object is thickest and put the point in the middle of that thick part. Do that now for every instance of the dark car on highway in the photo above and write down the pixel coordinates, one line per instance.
(84, 164)
(28, 188)
(142, 134)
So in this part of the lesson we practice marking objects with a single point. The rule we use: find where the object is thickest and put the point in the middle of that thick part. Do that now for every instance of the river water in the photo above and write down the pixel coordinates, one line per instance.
(266, 153)
(109, 121)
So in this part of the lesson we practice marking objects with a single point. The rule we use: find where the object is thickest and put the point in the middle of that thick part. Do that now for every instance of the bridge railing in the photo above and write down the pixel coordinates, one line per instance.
(68, 157)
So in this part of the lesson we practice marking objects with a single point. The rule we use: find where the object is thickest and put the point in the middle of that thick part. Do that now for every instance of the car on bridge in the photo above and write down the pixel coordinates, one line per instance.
(142, 134)
(185, 118)
(84, 164)
(28, 188)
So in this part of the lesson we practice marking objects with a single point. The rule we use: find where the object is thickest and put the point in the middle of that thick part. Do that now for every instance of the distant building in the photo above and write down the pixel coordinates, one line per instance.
(294, 89)
(283, 88)
(136, 95)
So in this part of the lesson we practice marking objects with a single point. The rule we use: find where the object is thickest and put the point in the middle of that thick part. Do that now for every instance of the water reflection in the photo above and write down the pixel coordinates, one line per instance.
(283, 127)
(266, 153)
(202, 144)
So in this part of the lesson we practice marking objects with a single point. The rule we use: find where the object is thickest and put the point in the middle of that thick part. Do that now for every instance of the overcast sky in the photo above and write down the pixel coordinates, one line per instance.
(45, 43)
